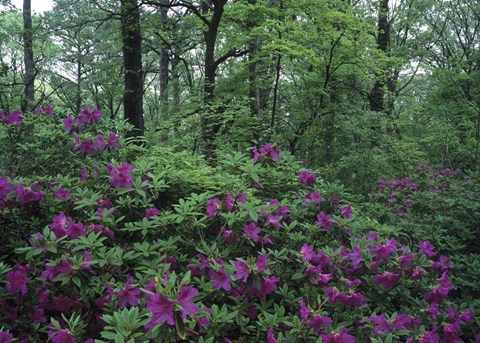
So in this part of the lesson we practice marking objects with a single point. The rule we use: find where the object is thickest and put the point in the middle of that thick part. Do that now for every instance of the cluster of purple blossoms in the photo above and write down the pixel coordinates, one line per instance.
(268, 151)
(307, 178)
(48, 110)
(163, 308)
(89, 146)
(120, 176)
(14, 118)
(214, 205)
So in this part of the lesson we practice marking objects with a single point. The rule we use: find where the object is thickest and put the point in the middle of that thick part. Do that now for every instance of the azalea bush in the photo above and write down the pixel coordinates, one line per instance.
(97, 248)
(440, 205)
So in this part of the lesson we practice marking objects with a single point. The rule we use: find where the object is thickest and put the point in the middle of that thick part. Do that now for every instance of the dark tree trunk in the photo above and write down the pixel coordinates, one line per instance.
(252, 68)
(164, 61)
(210, 125)
(377, 95)
(132, 59)
(29, 100)
(78, 100)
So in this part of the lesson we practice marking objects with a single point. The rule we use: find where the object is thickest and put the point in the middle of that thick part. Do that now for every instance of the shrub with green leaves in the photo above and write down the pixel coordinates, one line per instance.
(263, 252)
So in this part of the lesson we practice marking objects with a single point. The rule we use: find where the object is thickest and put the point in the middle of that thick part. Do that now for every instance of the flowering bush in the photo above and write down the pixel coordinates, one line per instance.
(442, 206)
(273, 255)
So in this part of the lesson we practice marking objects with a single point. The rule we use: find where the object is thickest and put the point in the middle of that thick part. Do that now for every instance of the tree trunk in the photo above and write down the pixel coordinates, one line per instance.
(210, 125)
(164, 61)
(29, 100)
(377, 94)
(132, 59)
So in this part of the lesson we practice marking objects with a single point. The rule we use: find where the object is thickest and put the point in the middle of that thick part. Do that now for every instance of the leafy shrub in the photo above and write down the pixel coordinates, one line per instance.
(440, 205)
(276, 256)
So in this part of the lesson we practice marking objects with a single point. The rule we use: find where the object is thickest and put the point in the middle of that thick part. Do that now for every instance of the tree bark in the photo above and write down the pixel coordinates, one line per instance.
(132, 59)
(29, 82)
(164, 61)
(377, 95)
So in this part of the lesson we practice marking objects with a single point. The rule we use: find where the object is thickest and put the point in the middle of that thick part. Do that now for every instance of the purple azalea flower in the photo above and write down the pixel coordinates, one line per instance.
(307, 178)
(271, 337)
(68, 124)
(5, 187)
(90, 114)
(324, 221)
(61, 336)
(162, 310)
(342, 337)
(185, 301)
(220, 280)
(100, 143)
(406, 260)
(427, 248)
(151, 212)
(307, 253)
(113, 141)
(387, 280)
(213, 207)
(128, 295)
(319, 322)
(62, 194)
(6, 337)
(262, 262)
(48, 111)
(17, 282)
(251, 231)
(346, 211)
(120, 176)
(243, 271)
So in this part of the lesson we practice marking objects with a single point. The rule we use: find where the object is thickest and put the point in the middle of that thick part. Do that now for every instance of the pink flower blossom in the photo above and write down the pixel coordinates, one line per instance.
(307, 178)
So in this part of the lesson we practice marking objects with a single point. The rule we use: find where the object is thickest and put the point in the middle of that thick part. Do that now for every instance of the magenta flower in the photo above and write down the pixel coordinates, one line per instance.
(162, 310)
(86, 147)
(262, 262)
(17, 282)
(243, 271)
(5, 187)
(384, 250)
(213, 207)
(342, 337)
(90, 114)
(267, 151)
(319, 322)
(271, 337)
(427, 248)
(324, 221)
(59, 225)
(48, 111)
(113, 141)
(62, 194)
(251, 231)
(406, 260)
(62, 268)
(267, 286)
(151, 212)
(27, 195)
(61, 336)
(346, 211)
(75, 230)
(68, 124)
(100, 143)
(185, 301)
(387, 280)
(220, 280)
(6, 337)
(307, 253)
(304, 312)
(307, 178)
(14, 118)
(128, 295)
(120, 176)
